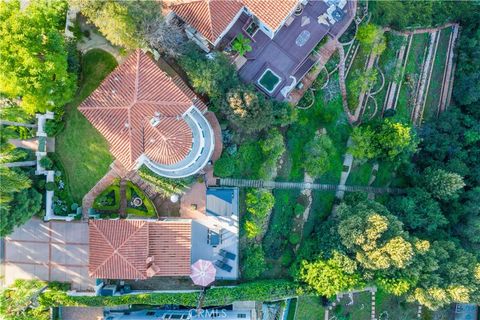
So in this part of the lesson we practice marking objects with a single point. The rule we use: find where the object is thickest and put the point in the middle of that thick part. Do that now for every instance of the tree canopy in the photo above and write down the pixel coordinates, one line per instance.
(318, 154)
(330, 276)
(382, 140)
(33, 55)
(372, 37)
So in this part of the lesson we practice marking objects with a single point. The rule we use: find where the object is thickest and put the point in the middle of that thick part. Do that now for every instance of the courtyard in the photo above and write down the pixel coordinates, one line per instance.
(285, 59)
(50, 251)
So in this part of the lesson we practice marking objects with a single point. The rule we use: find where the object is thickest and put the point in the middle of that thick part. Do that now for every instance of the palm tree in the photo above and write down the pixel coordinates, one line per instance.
(241, 45)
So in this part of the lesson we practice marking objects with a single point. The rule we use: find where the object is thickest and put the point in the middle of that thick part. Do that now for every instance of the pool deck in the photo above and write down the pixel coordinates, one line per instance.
(283, 54)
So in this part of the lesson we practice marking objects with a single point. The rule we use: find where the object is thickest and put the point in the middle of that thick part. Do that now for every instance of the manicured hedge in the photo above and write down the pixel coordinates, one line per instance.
(150, 208)
(265, 290)
(115, 187)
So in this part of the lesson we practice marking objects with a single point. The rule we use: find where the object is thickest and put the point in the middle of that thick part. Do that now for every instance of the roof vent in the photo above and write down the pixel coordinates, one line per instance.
(116, 78)
(155, 121)
(127, 125)
(114, 91)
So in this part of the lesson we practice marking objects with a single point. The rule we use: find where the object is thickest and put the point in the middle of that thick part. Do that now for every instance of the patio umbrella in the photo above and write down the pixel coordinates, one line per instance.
(203, 272)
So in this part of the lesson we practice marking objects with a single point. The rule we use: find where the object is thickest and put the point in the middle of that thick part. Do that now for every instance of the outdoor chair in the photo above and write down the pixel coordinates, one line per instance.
(227, 254)
(222, 265)
(214, 238)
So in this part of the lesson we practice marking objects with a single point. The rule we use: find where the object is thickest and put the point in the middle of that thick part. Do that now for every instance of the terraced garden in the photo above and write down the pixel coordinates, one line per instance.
(414, 76)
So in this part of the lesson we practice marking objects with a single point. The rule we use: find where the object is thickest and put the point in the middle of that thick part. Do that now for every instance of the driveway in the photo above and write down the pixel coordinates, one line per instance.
(50, 251)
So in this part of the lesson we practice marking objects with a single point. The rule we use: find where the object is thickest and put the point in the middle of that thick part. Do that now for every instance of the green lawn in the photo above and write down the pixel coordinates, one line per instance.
(360, 175)
(309, 308)
(82, 150)
(433, 98)
(387, 63)
(326, 114)
(393, 308)
(357, 68)
(291, 309)
(361, 308)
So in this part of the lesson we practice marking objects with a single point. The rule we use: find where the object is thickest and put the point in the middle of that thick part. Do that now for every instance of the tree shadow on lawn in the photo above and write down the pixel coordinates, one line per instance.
(82, 150)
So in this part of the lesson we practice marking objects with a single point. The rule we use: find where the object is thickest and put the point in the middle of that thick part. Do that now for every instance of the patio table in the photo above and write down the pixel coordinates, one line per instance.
(302, 38)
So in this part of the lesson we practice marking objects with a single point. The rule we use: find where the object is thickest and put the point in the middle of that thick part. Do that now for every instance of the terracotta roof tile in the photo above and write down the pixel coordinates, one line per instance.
(128, 98)
(119, 248)
(271, 12)
(209, 17)
(212, 17)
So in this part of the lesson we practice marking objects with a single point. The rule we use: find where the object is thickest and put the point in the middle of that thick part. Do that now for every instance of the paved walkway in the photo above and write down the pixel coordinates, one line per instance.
(116, 171)
(301, 185)
(17, 124)
(50, 251)
(96, 41)
(19, 164)
(343, 86)
(123, 199)
(347, 162)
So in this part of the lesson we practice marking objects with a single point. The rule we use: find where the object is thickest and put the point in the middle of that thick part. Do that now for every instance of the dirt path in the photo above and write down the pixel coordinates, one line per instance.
(447, 84)
(123, 199)
(421, 30)
(424, 81)
(343, 86)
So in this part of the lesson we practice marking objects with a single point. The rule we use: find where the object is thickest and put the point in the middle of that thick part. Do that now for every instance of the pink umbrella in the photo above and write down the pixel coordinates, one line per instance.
(203, 272)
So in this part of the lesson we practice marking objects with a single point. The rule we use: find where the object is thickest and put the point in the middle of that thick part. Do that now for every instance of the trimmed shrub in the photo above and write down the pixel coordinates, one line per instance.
(287, 258)
(50, 186)
(224, 167)
(109, 199)
(46, 162)
(294, 238)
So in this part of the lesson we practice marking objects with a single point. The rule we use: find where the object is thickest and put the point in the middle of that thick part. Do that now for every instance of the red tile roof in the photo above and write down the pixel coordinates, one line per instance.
(128, 98)
(271, 12)
(119, 248)
(211, 17)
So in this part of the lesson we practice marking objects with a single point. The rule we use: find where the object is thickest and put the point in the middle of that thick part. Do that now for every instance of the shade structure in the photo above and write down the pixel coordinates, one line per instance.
(203, 272)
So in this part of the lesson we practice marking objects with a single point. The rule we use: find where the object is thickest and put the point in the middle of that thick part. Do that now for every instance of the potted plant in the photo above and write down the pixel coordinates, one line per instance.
(241, 45)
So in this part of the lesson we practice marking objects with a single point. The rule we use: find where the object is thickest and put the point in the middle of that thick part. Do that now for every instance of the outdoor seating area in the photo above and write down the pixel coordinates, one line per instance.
(290, 48)
(215, 236)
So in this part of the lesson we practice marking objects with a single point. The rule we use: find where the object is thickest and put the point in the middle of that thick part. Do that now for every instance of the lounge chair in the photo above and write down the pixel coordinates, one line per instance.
(227, 254)
(222, 265)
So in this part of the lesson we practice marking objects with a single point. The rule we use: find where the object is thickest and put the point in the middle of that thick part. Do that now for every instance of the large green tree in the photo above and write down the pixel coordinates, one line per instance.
(12, 181)
(418, 210)
(248, 111)
(33, 56)
(213, 77)
(124, 23)
(330, 276)
(374, 236)
(372, 37)
(442, 184)
(318, 155)
(25, 204)
(382, 140)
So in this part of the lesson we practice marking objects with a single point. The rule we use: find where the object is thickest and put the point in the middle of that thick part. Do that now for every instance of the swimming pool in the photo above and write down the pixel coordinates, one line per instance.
(269, 80)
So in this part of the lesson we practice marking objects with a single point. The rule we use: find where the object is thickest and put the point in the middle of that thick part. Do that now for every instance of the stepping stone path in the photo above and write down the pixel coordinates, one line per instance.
(373, 305)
